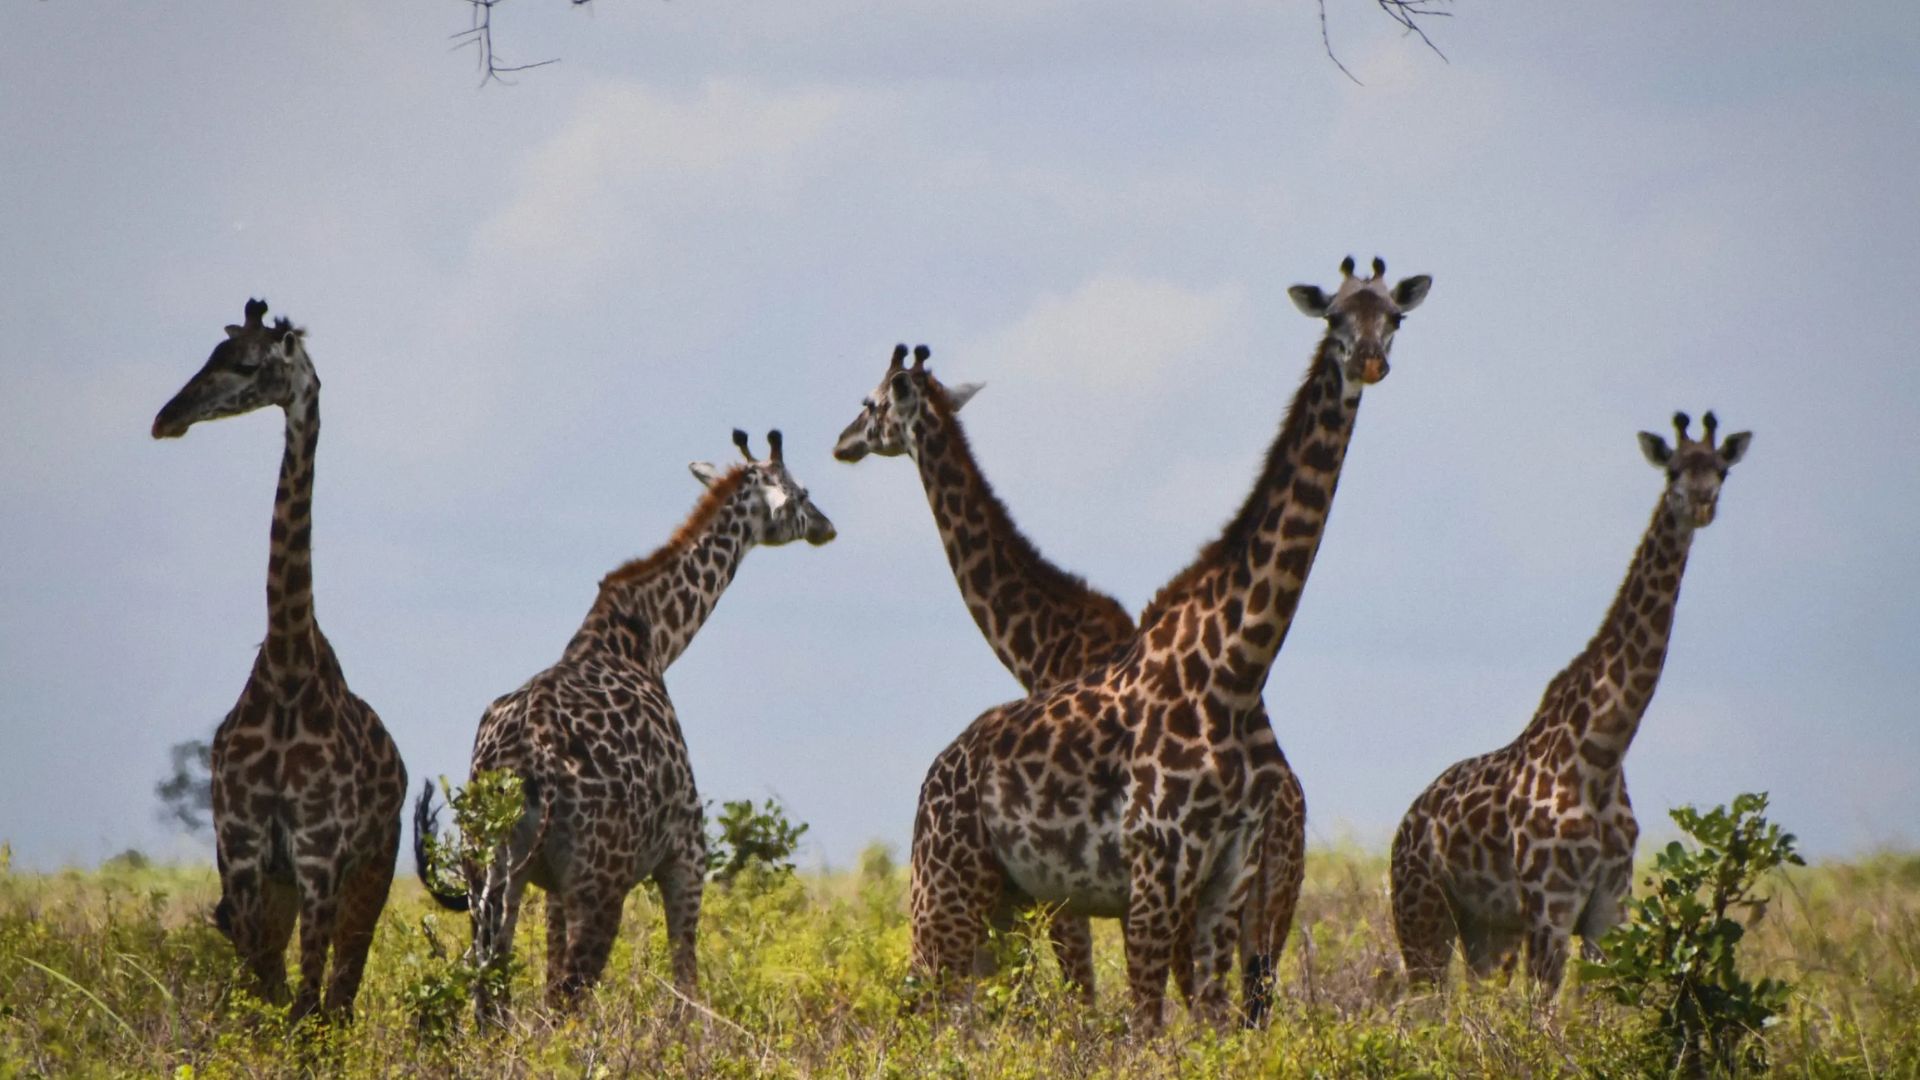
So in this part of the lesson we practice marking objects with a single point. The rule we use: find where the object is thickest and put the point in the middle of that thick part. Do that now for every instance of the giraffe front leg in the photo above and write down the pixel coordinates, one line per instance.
(1155, 926)
(1072, 937)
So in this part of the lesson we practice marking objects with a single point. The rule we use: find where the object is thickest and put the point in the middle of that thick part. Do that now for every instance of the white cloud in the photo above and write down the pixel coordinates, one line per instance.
(1117, 338)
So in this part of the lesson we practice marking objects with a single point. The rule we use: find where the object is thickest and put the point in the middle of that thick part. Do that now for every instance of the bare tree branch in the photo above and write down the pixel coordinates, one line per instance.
(480, 36)
(1407, 13)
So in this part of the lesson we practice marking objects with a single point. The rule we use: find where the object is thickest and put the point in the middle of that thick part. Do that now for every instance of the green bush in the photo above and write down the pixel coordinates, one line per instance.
(1677, 953)
(485, 813)
(752, 839)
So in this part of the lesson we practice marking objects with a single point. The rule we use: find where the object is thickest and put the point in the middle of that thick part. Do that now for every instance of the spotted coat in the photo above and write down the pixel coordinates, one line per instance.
(1533, 842)
(1139, 788)
(308, 787)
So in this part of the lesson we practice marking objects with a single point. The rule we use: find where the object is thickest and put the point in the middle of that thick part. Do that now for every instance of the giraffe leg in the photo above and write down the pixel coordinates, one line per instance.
(1159, 914)
(319, 915)
(1072, 937)
(1487, 948)
(556, 944)
(1215, 936)
(593, 921)
(1283, 869)
(954, 882)
(1549, 934)
(361, 901)
(1422, 917)
(258, 916)
(681, 886)
(495, 920)
(1183, 970)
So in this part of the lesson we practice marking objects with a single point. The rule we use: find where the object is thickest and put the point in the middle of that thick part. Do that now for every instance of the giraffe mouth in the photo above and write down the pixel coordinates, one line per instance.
(1373, 369)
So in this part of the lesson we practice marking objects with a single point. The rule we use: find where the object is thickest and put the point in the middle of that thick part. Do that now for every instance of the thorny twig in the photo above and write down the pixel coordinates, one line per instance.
(1407, 13)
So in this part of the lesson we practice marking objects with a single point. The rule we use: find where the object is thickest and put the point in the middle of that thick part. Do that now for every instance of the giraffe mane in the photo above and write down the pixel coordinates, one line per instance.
(1233, 540)
(683, 537)
(1045, 573)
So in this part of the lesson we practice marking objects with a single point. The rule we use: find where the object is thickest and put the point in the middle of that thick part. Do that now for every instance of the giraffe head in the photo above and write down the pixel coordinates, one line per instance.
(895, 410)
(1695, 468)
(777, 507)
(256, 366)
(1362, 315)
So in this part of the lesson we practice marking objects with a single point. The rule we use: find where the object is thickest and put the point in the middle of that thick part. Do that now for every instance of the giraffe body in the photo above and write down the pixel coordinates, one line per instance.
(1046, 626)
(307, 785)
(1533, 843)
(1141, 788)
(596, 742)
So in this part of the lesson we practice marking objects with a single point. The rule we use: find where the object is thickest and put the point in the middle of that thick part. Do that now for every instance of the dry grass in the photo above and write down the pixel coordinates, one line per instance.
(115, 972)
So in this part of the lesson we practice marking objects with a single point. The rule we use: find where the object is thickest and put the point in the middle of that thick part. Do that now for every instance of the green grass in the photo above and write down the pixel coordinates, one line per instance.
(117, 972)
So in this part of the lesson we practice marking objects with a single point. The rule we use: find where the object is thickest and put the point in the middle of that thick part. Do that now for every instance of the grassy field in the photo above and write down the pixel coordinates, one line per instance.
(118, 972)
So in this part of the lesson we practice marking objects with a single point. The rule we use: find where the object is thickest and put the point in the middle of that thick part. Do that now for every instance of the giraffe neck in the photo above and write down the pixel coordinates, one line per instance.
(1237, 601)
(290, 643)
(1044, 624)
(1600, 697)
(650, 609)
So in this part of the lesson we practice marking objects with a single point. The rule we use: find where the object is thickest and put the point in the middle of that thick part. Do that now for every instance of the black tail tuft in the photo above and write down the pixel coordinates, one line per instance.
(424, 819)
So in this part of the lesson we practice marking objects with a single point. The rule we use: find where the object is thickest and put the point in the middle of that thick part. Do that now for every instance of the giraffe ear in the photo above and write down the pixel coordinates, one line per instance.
(963, 393)
(1309, 299)
(1734, 447)
(705, 471)
(234, 331)
(1408, 294)
(1655, 448)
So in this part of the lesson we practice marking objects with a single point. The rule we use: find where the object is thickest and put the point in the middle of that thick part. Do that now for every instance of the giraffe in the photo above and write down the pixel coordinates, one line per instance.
(1534, 841)
(308, 788)
(1044, 624)
(595, 741)
(1138, 788)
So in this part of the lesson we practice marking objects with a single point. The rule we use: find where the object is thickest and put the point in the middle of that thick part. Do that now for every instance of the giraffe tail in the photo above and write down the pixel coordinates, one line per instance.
(425, 819)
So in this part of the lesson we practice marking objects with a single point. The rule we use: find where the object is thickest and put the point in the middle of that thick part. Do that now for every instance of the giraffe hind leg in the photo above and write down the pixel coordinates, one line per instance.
(362, 899)
(1422, 916)
(258, 916)
(593, 921)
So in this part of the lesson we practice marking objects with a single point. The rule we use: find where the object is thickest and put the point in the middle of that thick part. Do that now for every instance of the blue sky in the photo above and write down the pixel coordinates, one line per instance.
(531, 306)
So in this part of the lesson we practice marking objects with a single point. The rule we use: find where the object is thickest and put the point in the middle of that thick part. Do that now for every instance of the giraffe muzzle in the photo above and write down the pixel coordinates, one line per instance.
(1373, 369)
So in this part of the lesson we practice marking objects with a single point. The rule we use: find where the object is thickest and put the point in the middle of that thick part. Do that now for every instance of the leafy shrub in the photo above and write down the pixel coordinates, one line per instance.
(485, 813)
(748, 838)
(1677, 952)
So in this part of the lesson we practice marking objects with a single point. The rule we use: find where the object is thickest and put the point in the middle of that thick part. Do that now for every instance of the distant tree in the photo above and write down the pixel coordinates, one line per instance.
(186, 797)
(1408, 13)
